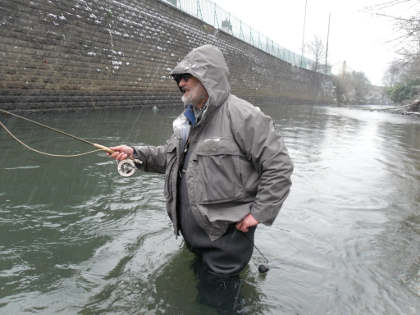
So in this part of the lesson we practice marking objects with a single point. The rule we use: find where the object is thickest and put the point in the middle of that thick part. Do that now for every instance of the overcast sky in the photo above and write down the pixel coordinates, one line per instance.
(357, 35)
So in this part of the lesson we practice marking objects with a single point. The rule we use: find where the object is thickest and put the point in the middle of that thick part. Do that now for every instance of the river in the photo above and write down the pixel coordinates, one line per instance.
(75, 237)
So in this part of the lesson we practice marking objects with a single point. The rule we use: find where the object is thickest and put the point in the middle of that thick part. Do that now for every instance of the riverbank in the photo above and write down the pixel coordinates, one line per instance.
(411, 109)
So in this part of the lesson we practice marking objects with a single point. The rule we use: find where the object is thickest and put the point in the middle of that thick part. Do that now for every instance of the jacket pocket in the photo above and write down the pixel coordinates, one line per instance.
(217, 165)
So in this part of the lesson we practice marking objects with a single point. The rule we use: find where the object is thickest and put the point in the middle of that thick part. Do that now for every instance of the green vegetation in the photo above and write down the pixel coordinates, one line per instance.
(403, 91)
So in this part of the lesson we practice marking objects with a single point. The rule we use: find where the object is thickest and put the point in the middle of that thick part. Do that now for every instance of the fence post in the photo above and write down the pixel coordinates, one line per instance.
(216, 20)
(199, 13)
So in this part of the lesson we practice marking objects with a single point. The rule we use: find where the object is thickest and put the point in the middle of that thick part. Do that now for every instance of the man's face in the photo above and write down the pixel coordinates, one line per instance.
(194, 91)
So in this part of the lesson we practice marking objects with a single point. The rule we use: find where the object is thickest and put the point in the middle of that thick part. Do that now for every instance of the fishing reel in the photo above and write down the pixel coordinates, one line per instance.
(127, 167)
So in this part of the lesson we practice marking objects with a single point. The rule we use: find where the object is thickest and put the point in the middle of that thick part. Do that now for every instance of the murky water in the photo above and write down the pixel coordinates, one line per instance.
(75, 237)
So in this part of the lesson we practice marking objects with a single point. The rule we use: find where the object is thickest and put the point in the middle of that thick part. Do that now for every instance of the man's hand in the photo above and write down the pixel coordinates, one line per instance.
(246, 223)
(122, 152)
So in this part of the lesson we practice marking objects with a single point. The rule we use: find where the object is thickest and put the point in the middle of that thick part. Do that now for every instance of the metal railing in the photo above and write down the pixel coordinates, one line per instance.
(212, 14)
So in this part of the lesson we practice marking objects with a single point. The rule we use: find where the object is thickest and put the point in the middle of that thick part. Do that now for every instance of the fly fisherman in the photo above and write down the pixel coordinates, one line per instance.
(226, 168)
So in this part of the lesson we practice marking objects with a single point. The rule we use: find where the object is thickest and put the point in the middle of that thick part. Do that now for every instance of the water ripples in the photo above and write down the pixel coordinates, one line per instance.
(77, 237)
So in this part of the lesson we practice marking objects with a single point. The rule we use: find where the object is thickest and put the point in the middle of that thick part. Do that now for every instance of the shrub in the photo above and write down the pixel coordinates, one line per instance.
(404, 91)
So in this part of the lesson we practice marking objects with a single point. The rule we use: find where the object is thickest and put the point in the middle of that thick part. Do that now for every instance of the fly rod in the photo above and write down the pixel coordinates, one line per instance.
(125, 168)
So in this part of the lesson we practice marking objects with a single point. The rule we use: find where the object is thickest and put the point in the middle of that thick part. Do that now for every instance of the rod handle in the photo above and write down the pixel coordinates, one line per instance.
(102, 147)
(110, 151)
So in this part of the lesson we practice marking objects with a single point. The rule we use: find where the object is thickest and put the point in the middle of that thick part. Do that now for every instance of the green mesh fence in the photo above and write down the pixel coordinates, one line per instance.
(219, 18)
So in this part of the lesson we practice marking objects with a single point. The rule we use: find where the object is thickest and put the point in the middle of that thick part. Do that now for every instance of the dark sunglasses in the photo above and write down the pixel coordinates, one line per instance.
(182, 76)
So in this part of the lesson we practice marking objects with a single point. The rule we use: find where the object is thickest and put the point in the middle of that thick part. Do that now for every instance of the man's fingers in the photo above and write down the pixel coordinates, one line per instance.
(241, 226)
(121, 156)
(121, 152)
(118, 155)
(118, 148)
(246, 223)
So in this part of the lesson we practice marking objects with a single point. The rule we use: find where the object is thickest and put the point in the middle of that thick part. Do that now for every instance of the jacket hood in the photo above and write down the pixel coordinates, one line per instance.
(208, 65)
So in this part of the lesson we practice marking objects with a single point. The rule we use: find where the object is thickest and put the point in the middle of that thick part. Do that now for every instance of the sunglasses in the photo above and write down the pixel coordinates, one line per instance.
(182, 76)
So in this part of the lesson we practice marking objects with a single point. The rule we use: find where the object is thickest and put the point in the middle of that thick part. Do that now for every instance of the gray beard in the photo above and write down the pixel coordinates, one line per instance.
(189, 100)
(186, 100)
(193, 97)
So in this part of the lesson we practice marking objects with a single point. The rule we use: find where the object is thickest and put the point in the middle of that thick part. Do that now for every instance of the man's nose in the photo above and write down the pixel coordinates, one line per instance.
(182, 83)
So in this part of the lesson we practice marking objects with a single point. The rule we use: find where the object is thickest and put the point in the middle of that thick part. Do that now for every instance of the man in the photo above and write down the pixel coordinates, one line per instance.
(226, 168)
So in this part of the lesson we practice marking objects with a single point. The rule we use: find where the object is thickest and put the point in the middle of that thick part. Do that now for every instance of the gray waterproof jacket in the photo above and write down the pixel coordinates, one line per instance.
(238, 163)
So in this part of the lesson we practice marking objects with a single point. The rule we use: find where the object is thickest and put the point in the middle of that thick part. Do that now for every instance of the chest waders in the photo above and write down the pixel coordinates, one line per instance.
(227, 255)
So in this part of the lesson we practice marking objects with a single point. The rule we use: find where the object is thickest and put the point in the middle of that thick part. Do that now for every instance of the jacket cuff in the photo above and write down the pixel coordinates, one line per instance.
(260, 216)
(138, 156)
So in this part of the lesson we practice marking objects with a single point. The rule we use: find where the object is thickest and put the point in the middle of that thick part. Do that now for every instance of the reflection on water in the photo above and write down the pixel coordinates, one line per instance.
(76, 237)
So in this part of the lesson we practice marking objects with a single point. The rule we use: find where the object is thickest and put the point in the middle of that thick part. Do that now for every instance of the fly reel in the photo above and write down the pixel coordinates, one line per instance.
(127, 167)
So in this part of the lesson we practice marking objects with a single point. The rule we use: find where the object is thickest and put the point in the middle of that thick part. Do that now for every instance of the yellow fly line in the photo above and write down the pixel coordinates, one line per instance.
(125, 168)
(98, 146)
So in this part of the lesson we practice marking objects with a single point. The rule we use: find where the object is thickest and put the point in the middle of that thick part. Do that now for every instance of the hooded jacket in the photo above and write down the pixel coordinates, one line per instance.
(238, 163)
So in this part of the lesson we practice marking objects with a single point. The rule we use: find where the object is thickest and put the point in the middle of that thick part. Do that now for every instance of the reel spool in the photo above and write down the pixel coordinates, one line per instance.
(126, 168)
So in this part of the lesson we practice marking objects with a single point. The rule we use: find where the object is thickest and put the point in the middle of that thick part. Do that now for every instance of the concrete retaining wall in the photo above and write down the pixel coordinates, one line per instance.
(69, 54)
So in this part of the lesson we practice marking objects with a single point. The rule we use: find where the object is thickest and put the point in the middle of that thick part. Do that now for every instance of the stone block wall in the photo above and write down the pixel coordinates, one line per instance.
(70, 54)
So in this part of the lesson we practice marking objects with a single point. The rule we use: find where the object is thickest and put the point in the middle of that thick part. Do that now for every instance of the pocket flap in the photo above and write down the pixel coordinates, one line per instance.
(217, 146)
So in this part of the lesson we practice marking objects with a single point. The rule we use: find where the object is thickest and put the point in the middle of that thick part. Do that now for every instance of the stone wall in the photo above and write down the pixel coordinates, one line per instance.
(69, 54)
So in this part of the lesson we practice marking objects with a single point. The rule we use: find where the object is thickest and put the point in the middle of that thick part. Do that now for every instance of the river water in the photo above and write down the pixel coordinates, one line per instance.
(75, 237)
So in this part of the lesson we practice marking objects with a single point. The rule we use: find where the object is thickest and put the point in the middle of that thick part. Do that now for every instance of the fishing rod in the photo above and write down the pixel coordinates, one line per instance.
(125, 168)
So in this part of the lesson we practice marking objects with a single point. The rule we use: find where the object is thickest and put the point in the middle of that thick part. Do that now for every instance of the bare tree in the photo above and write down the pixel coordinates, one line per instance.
(408, 31)
(403, 75)
(317, 51)
(352, 88)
